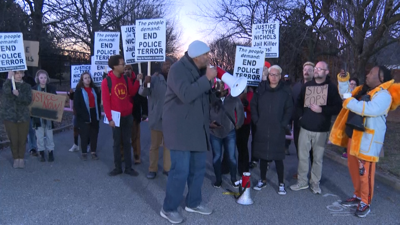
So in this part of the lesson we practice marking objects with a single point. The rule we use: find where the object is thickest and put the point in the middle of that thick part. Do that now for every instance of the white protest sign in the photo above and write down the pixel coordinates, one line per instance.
(76, 72)
(249, 63)
(12, 52)
(106, 44)
(97, 72)
(266, 36)
(150, 40)
(128, 42)
(31, 53)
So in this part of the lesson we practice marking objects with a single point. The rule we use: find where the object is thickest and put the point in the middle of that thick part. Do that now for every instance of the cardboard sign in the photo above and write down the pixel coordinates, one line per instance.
(76, 72)
(151, 40)
(47, 106)
(128, 42)
(106, 44)
(266, 36)
(97, 72)
(317, 95)
(31, 53)
(249, 63)
(12, 53)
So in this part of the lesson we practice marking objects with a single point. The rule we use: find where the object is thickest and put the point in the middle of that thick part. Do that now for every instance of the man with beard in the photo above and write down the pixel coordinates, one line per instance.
(156, 96)
(185, 122)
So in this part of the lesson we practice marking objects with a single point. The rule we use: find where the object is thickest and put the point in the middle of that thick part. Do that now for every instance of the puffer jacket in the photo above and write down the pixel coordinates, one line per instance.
(15, 108)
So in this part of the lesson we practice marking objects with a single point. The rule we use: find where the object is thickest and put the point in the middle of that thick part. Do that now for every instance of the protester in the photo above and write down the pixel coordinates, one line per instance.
(185, 123)
(44, 127)
(156, 97)
(32, 145)
(116, 92)
(223, 126)
(87, 106)
(361, 145)
(271, 109)
(315, 122)
(14, 113)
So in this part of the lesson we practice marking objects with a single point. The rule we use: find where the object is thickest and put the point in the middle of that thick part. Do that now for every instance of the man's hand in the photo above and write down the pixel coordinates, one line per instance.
(10, 74)
(237, 127)
(342, 73)
(15, 92)
(139, 76)
(213, 125)
(144, 117)
(316, 108)
(147, 80)
(211, 73)
(112, 124)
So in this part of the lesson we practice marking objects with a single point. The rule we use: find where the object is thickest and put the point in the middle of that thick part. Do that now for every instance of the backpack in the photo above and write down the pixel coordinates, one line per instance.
(109, 84)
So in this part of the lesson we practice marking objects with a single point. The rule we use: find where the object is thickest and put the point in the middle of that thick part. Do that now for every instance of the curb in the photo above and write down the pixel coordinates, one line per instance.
(389, 180)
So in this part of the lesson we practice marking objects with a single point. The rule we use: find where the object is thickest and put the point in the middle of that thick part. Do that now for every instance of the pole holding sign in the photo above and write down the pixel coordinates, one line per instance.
(249, 63)
(106, 44)
(12, 53)
(148, 72)
(150, 40)
(13, 82)
(266, 36)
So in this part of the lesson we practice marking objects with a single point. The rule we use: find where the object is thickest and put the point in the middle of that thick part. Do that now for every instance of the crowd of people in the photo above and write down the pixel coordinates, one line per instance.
(191, 112)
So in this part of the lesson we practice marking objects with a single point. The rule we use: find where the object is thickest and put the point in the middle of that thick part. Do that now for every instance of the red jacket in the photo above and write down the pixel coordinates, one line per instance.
(247, 111)
(119, 100)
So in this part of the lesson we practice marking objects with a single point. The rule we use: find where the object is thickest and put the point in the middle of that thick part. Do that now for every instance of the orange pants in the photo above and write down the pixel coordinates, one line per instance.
(363, 185)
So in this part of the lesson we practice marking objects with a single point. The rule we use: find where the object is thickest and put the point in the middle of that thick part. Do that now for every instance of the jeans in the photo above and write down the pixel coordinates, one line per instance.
(186, 167)
(31, 137)
(124, 133)
(229, 143)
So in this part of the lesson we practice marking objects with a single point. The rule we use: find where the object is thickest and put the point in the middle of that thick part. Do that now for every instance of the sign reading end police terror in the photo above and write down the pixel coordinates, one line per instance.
(106, 44)
(150, 40)
(76, 72)
(249, 63)
(128, 41)
(316, 95)
(97, 72)
(266, 36)
(12, 53)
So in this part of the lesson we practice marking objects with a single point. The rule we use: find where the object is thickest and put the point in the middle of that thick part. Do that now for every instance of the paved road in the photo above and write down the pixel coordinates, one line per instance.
(72, 191)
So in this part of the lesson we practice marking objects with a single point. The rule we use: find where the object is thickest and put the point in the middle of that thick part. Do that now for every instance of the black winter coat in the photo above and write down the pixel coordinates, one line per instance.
(271, 111)
(81, 112)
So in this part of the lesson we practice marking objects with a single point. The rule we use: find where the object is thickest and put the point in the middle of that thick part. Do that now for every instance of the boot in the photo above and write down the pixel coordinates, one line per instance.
(51, 156)
(41, 158)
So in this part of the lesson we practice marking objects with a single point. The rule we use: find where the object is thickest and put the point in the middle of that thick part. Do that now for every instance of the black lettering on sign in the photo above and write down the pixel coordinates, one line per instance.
(317, 95)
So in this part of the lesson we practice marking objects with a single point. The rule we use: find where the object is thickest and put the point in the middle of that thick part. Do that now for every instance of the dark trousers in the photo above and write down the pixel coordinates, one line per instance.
(296, 133)
(89, 131)
(253, 131)
(242, 140)
(17, 133)
(279, 169)
(123, 133)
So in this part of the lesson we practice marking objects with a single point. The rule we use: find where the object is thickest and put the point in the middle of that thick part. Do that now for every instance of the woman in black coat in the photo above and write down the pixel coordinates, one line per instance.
(87, 100)
(271, 110)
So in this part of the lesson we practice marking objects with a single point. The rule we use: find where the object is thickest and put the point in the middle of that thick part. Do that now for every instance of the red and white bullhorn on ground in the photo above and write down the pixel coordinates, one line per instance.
(245, 198)
(236, 84)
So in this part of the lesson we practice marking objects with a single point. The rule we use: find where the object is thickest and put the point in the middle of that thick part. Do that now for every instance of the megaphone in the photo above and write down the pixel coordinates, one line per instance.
(245, 198)
(236, 84)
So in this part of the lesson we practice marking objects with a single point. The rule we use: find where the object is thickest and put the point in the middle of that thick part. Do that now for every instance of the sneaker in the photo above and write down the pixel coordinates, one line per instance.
(33, 152)
(21, 163)
(41, 158)
(172, 217)
(51, 156)
(217, 184)
(115, 172)
(165, 173)
(88, 148)
(344, 155)
(362, 210)
(253, 165)
(94, 156)
(151, 175)
(351, 202)
(315, 188)
(131, 172)
(74, 148)
(136, 160)
(235, 184)
(84, 156)
(299, 186)
(260, 185)
(199, 209)
(282, 190)
(16, 164)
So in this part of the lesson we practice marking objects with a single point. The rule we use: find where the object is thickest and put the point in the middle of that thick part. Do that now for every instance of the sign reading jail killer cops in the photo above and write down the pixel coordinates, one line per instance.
(76, 72)
(31, 53)
(106, 44)
(266, 36)
(12, 54)
(317, 95)
(249, 63)
(128, 42)
(150, 40)
(97, 72)
(47, 106)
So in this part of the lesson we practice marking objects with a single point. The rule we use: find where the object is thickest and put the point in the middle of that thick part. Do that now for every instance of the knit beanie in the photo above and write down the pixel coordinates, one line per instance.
(197, 48)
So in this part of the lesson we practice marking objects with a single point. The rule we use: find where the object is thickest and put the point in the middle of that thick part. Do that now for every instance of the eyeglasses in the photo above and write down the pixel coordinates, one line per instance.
(319, 69)
(273, 75)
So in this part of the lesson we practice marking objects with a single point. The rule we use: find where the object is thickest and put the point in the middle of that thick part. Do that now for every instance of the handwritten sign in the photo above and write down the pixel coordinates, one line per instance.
(317, 95)
(12, 54)
(76, 72)
(266, 36)
(128, 42)
(249, 63)
(106, 44)
(31, 53)
(97, 72)
(150, 40)
(47, 106)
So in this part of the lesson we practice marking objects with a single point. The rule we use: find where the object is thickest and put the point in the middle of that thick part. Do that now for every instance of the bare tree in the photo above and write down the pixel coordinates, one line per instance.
(223, 51)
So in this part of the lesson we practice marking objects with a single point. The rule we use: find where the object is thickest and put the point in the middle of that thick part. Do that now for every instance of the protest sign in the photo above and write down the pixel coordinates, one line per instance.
(249, 63)
(150, 40)
(31, 53)
(106, 44)
(47, 106)
(12, 54)
(317, 95)
(266, 36)
(76, 71)
(128, 42)
(97, 72)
